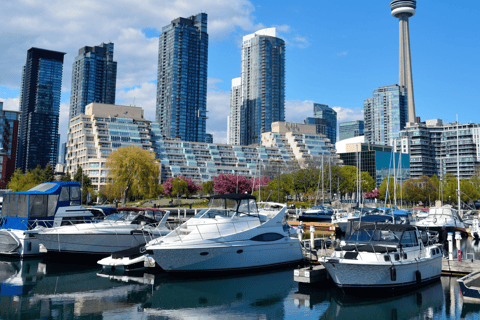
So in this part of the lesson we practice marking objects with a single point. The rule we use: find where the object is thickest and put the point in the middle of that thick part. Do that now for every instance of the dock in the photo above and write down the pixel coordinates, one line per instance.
(459, 268)
(319, 226)
(310, 275)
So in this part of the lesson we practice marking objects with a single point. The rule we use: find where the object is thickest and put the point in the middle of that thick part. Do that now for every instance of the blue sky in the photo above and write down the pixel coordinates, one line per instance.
(338, 52)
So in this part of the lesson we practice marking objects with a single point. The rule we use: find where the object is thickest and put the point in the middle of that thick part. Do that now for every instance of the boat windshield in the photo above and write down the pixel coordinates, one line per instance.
(228, 208)
(379, 236)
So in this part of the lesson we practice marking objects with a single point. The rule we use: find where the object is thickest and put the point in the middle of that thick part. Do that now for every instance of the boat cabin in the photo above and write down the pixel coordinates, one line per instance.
(229, 206)
(385, 234)
(41, 202)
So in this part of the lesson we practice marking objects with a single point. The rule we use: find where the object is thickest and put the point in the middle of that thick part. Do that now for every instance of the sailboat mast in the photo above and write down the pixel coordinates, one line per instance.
(394, 176)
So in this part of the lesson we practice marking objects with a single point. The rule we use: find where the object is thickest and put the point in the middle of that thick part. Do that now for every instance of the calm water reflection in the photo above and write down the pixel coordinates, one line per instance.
(35, 289)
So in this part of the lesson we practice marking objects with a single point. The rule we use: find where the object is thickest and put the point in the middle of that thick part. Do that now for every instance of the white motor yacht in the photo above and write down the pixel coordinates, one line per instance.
(388, 257)
(231, 234)
(444, 218)
(130, 227)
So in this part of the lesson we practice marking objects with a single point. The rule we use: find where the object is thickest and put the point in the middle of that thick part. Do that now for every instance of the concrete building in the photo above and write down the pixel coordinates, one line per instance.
(94, 78)
(263, 84)
(350, 129)
(385, 115)
(182, 78)
(403, 10)
(93, 136)
(432, 146)
(40, 107)
(378, 160)
(301, 142)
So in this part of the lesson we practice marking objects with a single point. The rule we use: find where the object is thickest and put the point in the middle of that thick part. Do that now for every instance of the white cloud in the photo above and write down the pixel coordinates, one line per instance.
(297, 110)
(347, 114)
(67, 25)
(11, 103)
(143, 96)
(218, 107)
(343, 53)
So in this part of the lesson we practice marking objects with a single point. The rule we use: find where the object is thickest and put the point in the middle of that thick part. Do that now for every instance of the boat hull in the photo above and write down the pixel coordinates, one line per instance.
(230, 256)
(90, 243)
(17, 244)
(356, 277)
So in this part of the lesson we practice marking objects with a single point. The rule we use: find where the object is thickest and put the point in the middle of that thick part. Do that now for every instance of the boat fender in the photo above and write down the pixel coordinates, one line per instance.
(418, 276)
(393, 273)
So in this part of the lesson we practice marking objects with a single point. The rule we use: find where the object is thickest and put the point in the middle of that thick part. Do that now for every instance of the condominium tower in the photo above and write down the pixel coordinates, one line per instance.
(94, 77)
(385, 115)
(404, 9)
(350, 129)
(235, 108)
(262, 85)
(182, 78)
(40, 105)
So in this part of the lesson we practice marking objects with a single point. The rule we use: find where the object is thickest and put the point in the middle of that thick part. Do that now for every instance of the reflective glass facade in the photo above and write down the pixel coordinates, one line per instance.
(8, 144)
(385, 115)
(40, 106)
(263, 85)
(94, 77)
(350, 129)
(182, 79)
(329, 126)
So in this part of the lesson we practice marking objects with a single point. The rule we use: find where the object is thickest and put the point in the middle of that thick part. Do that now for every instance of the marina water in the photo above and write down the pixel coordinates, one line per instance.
(42, 289)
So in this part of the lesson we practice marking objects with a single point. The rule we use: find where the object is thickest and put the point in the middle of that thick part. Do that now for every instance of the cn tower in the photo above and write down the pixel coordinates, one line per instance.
(404, 9)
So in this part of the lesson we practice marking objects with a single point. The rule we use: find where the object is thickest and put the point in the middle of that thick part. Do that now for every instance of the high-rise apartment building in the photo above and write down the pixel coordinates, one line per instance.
(235, 108)
(325, 118)
(182, 78)
(385, 115)
(350, 129)
(40, 105)
(404, 9)
(432, 146)
(263, 84)
(8, 144)
(94, 77)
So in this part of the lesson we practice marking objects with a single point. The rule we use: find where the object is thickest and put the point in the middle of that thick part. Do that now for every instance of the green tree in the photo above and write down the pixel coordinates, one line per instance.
(136, 170)
(207, 187)
(387, 181)
(67, 177)
(47, 173)
(23, 182)
(85, 183)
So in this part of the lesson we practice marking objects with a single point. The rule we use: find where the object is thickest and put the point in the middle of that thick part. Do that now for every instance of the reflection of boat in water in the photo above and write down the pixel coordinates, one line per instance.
(19, 277)
(67, 289)
(259, 296)
(426, 301)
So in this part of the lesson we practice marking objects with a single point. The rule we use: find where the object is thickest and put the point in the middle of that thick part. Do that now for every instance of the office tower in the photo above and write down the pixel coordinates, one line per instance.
(235, 108)
(208, 138)
(350, 129)
(40, 105)
(182, 78)
(94, 76)
(385, 115)
(263, 84)
(404, 9)
(325, 118)
(8, 144)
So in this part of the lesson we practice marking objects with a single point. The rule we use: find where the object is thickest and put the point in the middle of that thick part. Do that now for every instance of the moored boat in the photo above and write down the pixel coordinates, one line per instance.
(470, 287)
(129, 227)
(231, 234)
(391, 257)
(49, 204)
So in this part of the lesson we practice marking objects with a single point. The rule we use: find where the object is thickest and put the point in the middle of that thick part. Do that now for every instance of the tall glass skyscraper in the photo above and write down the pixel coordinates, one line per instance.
(325, 118)
(94, 77)
(235, 108)
(263, 84)
(182, 79)
(8, 144)
(40, 105)
(385, 115)
(350, 129)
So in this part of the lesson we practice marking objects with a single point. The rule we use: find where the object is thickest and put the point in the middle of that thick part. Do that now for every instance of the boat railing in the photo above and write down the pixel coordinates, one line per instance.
(210, 230)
